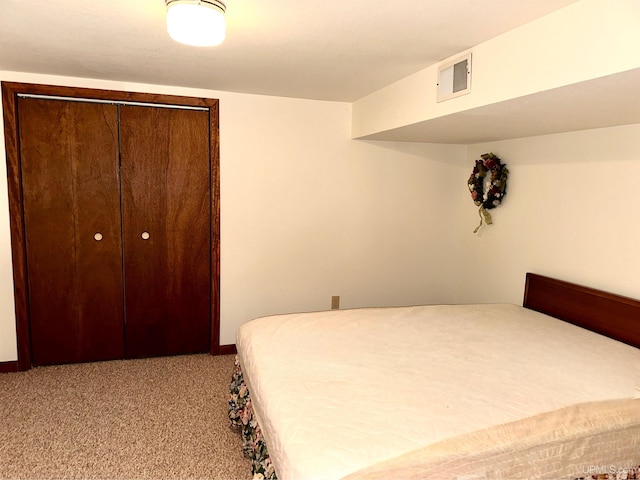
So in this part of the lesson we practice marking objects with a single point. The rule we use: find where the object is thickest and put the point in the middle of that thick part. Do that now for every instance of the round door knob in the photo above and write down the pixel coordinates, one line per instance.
(97, 237)
(145, 235)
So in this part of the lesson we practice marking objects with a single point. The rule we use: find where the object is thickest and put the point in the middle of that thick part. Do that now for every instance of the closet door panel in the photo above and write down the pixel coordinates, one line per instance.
(69, 160)
(166, 195)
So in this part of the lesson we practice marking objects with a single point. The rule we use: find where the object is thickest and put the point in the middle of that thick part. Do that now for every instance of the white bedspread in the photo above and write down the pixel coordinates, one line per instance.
(337, 391)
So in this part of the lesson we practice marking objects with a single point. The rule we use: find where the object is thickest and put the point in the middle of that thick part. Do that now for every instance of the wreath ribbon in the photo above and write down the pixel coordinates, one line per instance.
(487, 218)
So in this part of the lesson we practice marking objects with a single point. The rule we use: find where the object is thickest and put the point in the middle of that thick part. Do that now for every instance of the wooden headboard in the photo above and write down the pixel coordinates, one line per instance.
(612, 315)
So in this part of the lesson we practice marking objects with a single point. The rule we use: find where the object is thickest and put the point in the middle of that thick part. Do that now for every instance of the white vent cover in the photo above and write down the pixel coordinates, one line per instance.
(454, 78)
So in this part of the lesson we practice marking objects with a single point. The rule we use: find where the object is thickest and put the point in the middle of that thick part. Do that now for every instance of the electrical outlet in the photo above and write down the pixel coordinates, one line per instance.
(335, 302)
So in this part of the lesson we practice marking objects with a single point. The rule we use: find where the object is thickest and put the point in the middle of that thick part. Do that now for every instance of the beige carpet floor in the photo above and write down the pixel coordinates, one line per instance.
(160, 418)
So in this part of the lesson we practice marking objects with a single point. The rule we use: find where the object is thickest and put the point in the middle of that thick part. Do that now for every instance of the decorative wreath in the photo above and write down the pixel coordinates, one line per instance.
(496, 188)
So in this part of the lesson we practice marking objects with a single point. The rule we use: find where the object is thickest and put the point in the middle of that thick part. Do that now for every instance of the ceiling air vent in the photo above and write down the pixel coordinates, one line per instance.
(454, 78)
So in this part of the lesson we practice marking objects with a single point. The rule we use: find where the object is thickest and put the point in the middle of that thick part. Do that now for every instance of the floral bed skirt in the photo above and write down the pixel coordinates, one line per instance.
(611, 472)
(243, 420)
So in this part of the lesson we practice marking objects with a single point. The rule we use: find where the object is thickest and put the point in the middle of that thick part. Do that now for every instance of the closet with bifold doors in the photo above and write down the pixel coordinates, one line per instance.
(119, 206)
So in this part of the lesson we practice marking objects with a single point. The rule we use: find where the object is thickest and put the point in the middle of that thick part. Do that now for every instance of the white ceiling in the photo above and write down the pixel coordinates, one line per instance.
(319, 49)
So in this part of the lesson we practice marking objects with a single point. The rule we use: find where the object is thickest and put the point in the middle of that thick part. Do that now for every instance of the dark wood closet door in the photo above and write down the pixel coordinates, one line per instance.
(166, 224)
(69, 158)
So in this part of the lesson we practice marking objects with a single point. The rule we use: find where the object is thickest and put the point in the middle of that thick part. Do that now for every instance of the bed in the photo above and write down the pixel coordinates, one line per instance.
(445, 391)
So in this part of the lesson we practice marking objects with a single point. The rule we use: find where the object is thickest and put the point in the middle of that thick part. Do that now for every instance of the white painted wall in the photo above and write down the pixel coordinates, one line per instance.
(306, 212)
(586, 40)
(571, 212)
(8, 345)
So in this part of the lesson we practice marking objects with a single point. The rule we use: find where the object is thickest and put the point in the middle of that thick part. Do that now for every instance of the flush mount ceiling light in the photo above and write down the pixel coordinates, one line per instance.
(196, 22)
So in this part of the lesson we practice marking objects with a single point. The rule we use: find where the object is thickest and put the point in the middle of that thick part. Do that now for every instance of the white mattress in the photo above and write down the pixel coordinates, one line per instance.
(337, 391)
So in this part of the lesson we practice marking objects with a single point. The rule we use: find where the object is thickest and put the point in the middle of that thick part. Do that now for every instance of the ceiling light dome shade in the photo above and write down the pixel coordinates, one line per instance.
(196, 22)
